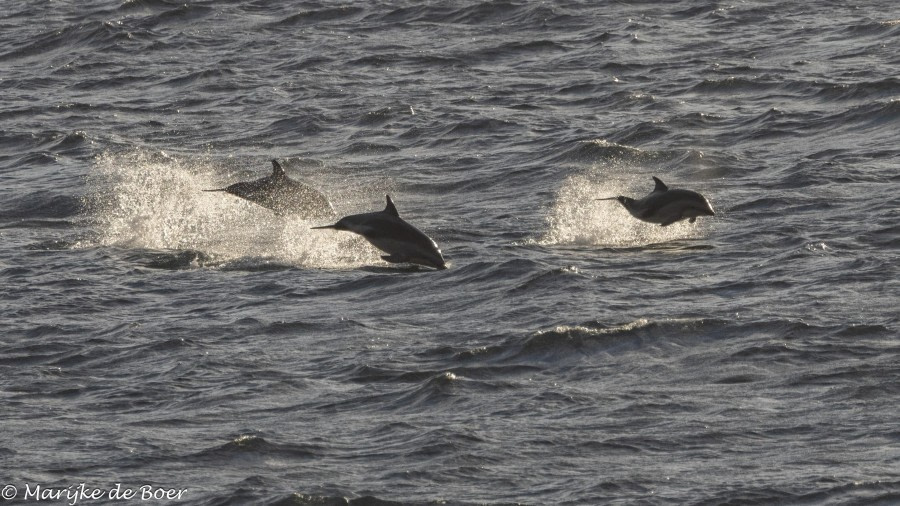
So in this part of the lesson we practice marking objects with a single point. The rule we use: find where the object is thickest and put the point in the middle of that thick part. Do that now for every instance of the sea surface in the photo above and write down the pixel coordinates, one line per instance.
(155, 335)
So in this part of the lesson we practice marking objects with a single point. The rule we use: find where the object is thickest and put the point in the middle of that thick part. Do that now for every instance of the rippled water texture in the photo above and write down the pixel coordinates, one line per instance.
(156, 334)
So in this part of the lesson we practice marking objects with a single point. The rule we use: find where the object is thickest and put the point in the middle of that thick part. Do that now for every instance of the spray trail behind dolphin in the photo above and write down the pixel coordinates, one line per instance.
(580, 217)
(151, 200)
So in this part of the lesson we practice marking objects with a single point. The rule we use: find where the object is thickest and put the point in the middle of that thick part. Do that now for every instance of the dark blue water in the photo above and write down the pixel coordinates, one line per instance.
(152, 334)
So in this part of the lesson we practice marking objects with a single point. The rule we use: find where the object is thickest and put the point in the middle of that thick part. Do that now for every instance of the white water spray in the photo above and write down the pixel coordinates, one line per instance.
(577, 218)
(152, 200)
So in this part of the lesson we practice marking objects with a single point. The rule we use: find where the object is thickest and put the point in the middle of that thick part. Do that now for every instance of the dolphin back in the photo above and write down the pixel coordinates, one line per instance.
(283, 195)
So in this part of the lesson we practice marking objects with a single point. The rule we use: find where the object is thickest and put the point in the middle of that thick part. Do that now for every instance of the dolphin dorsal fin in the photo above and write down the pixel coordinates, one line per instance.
(277, 169)
(391, 209)
(660, 186)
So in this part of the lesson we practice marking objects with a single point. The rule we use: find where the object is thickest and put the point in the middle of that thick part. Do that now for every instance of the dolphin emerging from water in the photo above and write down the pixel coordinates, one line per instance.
(402, 242)
(282, 195)
(665, 206)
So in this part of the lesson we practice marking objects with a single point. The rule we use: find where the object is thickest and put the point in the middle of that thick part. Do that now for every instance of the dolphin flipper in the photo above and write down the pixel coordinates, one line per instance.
(395, 259)
(670, 221)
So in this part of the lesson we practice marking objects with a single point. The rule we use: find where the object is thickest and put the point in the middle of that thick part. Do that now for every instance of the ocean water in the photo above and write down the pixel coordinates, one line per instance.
(154, 335)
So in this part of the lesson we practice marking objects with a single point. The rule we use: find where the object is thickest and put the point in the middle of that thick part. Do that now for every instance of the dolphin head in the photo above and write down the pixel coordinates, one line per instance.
(432, 257)
(699, 206)
(627, 202)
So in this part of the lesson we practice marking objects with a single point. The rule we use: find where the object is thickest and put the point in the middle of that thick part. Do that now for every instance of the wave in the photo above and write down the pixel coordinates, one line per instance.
(830, 491)
(135, 5)
(435, 392)
(874, 115)
(208, 80)
(866, 90)
(41, 204)
(385, 115)
(597, 150)
(366, 500)
(748, 349)
(885, 28)
(485, 13)
(643, 132)
(370, 149)
(316, 63)
(481, 13)
(289, 128)
(250, 445)
(170, 13)
(319, 16)
(44, 148)
(737, 85)
(565, 341)
(518, 50)
(776, 123)
(883, 237)
(250, 492)
(98, 35)
(600, 152)
(479, 126)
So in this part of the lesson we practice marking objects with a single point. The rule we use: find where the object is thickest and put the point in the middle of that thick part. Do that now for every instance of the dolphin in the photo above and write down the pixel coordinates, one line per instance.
(387, 231)
(282, 195)
(665, 206)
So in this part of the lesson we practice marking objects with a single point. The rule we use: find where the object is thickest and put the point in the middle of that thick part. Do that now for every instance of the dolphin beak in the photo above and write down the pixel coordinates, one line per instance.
(335, 227)
(608, 198)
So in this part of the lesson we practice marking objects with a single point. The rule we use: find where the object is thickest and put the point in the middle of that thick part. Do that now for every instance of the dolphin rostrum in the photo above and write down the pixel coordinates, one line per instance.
(387, 231)
(665, 206)
(282, 195)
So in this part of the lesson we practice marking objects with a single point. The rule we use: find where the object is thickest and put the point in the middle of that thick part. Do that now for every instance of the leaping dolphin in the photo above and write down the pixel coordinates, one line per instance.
(665, 206)
(282, 195)
(387, 231)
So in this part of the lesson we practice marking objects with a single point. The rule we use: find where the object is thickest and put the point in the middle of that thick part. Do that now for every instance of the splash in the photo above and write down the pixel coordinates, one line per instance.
(153, 200)
(577, 218)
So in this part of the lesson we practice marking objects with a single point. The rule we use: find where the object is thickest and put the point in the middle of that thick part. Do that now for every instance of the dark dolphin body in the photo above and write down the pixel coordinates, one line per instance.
(282, 195)
(665, 206)
(402, 242)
